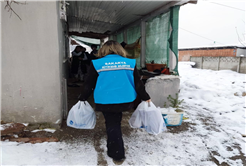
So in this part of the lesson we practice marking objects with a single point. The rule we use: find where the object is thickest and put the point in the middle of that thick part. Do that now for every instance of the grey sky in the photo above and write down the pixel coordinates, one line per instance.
(211, 21)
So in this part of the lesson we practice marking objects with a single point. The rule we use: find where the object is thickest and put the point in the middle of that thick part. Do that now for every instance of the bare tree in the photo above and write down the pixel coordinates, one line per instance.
(239, 39)
(8, 6)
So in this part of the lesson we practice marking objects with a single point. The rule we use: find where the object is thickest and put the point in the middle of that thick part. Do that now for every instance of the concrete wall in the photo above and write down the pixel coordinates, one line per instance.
(242, 68)
(32, 56)
(64, 53)
(210, 63)
(160, 87)
(229, 63)
(198, 60)
(237, 64)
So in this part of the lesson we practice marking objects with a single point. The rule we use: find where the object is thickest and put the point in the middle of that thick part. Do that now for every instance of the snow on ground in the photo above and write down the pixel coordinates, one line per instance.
(215, 106)
(48, 154)
(215, 103)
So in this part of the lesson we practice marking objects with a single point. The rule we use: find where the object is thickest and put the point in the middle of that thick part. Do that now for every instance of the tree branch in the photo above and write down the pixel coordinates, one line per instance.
(9, 7)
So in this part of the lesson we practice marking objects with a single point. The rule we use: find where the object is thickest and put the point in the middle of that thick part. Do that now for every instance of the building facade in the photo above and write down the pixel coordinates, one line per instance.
(228, 51)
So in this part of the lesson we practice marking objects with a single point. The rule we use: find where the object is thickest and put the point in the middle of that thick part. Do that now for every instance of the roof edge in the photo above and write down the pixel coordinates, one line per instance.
(212, 48)
(162, 9)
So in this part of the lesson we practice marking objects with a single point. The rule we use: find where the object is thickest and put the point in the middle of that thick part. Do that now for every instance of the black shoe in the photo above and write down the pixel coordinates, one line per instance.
(122, 159)
(117, 161)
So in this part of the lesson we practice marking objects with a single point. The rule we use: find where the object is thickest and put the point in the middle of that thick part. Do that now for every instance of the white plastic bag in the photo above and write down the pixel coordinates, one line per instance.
(81, 116)
(135, 121)
(149, 117)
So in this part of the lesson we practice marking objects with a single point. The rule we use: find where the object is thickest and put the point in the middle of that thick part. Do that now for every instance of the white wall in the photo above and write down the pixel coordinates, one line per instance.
(31, 63)
(241, 52)
(160, 87)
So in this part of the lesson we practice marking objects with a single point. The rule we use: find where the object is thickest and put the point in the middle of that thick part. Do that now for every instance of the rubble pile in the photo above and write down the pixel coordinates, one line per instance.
(24, 133)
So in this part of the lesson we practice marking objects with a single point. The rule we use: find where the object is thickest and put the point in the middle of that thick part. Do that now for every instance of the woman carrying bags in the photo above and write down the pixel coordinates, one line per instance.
(116, 84)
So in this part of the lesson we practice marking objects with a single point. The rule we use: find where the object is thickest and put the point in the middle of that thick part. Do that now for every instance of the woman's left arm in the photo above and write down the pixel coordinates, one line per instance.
(139, 86)
(89, 84)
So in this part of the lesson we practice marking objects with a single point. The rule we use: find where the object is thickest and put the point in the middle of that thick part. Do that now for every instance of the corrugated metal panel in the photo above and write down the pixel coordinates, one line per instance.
(102, 16)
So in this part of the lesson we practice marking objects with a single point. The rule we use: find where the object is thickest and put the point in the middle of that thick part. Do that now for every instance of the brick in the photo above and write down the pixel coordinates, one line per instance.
(12, 128)
(34, 140)
(184, 54)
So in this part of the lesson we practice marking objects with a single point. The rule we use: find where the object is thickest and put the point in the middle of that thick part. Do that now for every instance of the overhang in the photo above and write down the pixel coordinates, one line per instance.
(97, 19)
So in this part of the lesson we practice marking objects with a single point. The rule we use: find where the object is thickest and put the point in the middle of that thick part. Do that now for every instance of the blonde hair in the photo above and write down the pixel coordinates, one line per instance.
(112, 47)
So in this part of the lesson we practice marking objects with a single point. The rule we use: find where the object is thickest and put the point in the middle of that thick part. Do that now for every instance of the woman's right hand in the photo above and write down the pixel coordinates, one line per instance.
(148, 100)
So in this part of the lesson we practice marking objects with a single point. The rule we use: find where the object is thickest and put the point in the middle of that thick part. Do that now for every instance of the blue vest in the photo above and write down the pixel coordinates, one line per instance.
(115, 83)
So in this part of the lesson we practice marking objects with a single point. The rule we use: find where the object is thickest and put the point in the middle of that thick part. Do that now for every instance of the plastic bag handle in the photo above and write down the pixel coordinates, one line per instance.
(148, 104)
(79, 105)
(80, 102)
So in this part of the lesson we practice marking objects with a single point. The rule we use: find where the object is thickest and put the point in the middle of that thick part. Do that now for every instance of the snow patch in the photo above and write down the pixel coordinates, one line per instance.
(47, 130)
(4, 126)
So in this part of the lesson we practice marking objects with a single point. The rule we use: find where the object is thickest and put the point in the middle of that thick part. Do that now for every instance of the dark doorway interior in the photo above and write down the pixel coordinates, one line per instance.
(74, 89)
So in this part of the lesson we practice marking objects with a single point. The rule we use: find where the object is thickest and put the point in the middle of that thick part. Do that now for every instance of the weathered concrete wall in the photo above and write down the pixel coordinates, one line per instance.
(160, 87)
(64, 56)
(31, 63)
(198, 61)
(237, 64)
(210, 63)
(242, 68)
(1, 58)
(229, 63)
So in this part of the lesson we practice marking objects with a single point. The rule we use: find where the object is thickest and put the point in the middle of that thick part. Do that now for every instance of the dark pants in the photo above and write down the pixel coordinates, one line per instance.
(83, 67)
(115, 142)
